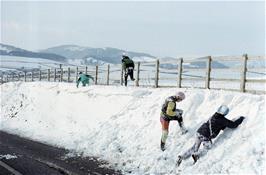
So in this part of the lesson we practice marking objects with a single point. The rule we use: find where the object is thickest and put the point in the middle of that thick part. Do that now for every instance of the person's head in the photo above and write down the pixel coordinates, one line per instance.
(80, 73)
(179, 96)
(124, 55)
(223, 110)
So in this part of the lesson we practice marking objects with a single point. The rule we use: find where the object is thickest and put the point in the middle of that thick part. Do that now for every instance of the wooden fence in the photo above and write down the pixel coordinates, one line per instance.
(164, 74)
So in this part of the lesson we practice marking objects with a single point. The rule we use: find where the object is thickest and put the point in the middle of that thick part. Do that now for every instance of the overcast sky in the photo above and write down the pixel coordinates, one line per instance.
(159, 28)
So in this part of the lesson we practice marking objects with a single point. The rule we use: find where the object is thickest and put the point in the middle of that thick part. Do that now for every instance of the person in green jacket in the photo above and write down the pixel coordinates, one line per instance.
(84, 79)
(128, 68)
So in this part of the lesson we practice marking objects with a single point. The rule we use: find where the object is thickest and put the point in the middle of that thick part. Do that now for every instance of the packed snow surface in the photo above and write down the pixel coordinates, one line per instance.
(121, 125)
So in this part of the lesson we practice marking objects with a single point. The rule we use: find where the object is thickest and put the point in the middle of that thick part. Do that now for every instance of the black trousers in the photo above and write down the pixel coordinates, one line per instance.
(129, 72)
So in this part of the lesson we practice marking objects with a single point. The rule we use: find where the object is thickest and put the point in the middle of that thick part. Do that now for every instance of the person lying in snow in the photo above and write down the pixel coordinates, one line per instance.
(169, 113)
(208, 131)
(84, 79)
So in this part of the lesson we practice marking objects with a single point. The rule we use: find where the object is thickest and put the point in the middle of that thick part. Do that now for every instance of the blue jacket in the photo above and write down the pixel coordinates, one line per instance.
(84, 79)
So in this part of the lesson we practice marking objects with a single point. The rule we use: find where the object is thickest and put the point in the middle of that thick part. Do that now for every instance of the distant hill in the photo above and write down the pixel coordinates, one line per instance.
(107, 54)
(14, 51)
(79, 55)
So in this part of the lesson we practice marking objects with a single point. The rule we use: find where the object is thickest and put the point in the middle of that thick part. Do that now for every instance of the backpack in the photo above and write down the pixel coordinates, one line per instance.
(127, 62)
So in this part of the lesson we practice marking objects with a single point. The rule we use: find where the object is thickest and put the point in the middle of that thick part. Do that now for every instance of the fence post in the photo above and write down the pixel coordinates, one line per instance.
(60, 68)
(68, 74)
(157, 73)
(61, 75)
(121, 78)
(55, 75)
(48, 75)
(2, 78)
(208, 72)
(20, 75)
(243, 73)
(77, 73)
(32, 76)
(137, 78)
(40, 75)
(179, 78)
(96, 74)
(86, 70)
(108, 74)
(25, 76)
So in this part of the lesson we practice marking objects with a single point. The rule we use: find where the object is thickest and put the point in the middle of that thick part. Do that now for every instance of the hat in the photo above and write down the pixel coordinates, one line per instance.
(180, 95)
(223, 110)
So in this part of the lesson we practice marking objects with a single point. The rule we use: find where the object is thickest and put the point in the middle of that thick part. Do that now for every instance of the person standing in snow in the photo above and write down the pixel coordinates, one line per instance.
(208, 131)
(84, 79)
(170, 113)
(128, 68)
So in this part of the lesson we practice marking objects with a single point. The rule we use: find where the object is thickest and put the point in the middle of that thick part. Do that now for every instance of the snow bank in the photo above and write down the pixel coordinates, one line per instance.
(121, 125)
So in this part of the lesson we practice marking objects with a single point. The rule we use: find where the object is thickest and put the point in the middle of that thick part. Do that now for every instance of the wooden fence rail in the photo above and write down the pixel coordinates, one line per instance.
(174, 77)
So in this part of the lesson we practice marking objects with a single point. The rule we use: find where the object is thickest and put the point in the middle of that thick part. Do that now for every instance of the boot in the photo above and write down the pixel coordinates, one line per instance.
(195, 157)
(182, 127)
(179, 160)
(162, 146)
(183, 130)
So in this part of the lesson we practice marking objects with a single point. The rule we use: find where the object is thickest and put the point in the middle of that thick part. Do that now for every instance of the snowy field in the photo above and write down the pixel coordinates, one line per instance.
(121, 125)
(15, 62)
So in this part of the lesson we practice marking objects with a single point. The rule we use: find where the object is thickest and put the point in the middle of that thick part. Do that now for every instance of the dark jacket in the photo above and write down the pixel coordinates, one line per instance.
(218, 123)
(127, 62)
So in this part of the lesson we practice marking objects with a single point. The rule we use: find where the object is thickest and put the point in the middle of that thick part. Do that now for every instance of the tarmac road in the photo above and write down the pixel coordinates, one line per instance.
(34, 158)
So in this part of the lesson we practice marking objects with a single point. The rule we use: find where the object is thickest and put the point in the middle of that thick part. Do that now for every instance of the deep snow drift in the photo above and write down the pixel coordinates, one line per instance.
(121, 125)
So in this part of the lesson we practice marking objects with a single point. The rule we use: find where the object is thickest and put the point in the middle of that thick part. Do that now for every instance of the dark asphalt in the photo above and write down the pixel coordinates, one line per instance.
(34, 158)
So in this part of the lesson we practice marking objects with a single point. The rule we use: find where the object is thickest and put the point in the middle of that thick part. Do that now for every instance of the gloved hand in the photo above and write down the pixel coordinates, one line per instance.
(242, 118)
(179, 112)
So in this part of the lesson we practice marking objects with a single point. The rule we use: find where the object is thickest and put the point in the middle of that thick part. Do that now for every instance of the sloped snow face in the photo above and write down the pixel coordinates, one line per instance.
(121, 125)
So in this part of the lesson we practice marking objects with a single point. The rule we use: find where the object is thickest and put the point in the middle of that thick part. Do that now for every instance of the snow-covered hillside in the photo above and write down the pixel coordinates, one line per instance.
(87, 62)
(5, 48)
(9, 50)
(15, 63)
(121, 125)
(105, 54)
